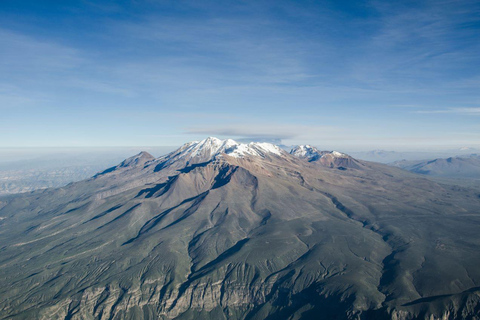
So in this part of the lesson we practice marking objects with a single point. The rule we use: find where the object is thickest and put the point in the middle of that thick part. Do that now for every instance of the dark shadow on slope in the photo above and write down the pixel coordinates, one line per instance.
(151, 191)
(389, 273)
(160, 166)
(224, 176)
(120, 216)
(155, 220)
(102, 298)
(190, 210)
(75, 209)
(103, 213)
(167, 185)
(204, 270)
(117, 303)
(349, 213)
(223, 256)
(193, 166)
(318, 306)
(265, 218)
(433, 298)
(105, 171)
(164, 187)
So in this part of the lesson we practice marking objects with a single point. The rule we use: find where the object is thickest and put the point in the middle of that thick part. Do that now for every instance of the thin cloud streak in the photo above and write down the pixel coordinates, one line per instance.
(459, 111)
(279, 131)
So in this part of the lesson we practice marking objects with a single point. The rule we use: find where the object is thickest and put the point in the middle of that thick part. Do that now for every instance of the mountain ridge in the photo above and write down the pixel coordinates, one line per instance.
(466, 167)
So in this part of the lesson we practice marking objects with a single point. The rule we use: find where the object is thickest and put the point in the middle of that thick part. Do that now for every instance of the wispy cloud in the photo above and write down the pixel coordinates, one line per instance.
(222, 49)
(30, 67)
(459, 111)
(421, 46)
(269, 131)
(22, 54)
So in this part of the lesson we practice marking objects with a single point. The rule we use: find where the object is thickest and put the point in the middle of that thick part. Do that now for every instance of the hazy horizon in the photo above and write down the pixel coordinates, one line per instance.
(106, 148)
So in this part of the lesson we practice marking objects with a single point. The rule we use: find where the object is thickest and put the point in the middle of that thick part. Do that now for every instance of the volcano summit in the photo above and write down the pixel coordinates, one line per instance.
(223, 230)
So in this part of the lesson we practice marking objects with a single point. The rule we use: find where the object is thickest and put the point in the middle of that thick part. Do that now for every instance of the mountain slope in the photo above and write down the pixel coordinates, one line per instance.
(453, 167)
(223, 230)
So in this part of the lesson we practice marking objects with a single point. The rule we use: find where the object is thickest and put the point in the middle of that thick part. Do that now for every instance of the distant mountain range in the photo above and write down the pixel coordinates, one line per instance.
(385, 156)
(224, 230)
(29, 169)
(453, 167)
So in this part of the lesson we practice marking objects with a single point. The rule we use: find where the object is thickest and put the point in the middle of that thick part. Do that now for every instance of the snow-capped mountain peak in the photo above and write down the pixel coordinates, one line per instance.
(331, 159)
(212, 147)
(305, 152)
(209, 147)
(338, 154)
(311, 153)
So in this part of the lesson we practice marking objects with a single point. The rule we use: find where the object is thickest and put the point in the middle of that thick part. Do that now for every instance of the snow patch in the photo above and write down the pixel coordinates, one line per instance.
(209, 148)
(338, 154)
(305, 151)
(311, 153)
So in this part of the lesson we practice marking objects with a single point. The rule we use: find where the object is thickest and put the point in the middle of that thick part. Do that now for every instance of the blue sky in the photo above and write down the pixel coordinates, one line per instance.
(336, 74)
